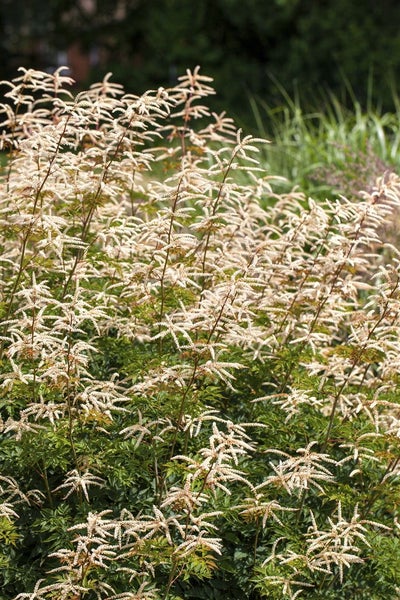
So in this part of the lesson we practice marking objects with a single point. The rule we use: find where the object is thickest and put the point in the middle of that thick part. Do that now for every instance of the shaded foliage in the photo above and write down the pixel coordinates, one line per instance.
(246, 47)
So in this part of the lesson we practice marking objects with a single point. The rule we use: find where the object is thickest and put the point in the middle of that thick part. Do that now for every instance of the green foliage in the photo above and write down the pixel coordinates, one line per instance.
(248, 47)
(329, 149)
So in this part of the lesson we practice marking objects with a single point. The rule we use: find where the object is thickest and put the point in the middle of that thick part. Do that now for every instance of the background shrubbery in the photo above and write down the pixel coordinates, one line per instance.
(306, 45)
(199, 364)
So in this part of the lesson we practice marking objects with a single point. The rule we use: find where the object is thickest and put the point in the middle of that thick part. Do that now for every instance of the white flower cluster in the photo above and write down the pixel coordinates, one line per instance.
(205, 263)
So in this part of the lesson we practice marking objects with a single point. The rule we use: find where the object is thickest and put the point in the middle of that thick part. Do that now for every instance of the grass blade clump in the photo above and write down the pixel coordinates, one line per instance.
(332, 149)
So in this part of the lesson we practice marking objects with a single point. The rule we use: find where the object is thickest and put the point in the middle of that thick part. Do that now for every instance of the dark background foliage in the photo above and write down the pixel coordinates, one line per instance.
(250, 47)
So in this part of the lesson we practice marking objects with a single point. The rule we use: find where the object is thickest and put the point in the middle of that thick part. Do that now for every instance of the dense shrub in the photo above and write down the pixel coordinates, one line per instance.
(199, 375)
(305, 45)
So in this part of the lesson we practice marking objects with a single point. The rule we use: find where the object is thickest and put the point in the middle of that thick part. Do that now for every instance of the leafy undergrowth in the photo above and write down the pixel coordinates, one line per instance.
(198, 374)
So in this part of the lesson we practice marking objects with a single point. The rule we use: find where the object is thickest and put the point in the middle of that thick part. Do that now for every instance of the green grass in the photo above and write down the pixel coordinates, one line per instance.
(329, 149)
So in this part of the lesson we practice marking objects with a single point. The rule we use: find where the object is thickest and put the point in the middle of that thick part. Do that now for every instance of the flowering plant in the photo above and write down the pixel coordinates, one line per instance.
(198, 374)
